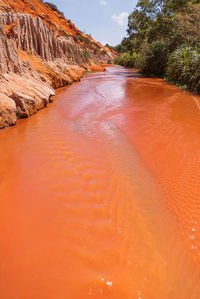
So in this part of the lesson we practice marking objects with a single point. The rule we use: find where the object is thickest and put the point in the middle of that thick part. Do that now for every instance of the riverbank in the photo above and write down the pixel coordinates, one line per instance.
(28, 94)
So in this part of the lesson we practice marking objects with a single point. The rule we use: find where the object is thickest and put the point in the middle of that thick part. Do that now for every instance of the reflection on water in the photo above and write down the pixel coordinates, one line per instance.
(99, 193)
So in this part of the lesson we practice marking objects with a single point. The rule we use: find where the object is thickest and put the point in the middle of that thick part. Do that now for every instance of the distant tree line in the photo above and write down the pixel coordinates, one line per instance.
(164, 40)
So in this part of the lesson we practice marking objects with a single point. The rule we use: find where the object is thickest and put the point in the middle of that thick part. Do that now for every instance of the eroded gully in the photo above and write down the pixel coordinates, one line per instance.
(99, 193)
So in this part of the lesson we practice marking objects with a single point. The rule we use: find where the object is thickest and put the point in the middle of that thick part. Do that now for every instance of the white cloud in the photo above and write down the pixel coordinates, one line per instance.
(103, 2)
(121, 19)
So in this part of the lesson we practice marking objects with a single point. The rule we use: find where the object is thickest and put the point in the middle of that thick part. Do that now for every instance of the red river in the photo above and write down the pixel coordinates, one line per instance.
(100, 193)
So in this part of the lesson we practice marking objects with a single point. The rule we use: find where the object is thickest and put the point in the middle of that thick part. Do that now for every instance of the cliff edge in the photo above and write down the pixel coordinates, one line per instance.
(40, 51)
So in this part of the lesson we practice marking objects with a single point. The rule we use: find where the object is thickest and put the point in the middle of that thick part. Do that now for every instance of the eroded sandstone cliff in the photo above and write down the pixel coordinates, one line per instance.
(40, 51)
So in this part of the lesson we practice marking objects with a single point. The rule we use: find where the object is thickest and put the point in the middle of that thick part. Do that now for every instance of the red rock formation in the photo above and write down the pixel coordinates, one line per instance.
(8, 111)
(9, 59)
(9, 29)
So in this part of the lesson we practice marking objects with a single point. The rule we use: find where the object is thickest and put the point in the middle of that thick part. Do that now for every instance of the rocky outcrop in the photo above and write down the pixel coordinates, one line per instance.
(8, 111)
(26, 106)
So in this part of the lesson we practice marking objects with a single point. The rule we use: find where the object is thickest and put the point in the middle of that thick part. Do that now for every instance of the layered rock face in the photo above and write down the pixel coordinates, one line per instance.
(8, 111)
(19, 77)
(9, 59)
(38, 55)
(32, 35)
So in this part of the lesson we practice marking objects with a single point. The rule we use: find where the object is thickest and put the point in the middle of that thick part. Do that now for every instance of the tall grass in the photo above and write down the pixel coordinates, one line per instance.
(184, 68)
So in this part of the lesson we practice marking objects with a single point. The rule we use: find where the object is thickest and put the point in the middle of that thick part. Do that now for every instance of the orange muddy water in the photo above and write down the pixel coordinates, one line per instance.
(100, 193)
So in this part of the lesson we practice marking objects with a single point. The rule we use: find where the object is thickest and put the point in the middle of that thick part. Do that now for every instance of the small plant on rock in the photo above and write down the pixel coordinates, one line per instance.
(86, 55)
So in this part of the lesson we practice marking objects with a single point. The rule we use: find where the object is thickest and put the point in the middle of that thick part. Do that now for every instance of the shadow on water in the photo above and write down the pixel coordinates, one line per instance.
(131, 74)
(134, 75)
(123, 72)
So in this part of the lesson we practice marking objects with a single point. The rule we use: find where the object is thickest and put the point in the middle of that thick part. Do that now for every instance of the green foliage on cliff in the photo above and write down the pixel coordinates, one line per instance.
(161, 31)
(53, 7)
(86, 55)
(84, 39)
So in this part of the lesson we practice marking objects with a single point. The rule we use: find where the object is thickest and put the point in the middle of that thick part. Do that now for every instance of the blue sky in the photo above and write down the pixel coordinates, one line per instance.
(106, 20)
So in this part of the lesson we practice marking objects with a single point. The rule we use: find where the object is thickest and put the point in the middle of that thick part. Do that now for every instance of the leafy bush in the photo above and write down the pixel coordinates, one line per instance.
(153, 58)
(184, 68)
(127, 59)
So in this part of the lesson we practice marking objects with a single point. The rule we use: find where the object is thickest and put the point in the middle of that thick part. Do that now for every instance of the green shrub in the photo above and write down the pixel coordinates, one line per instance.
(153, 58)
(54, 7)
(127, 59)
(184, 68)
(86, 55)
(66, 34)
(80, 37)
(84, 39)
